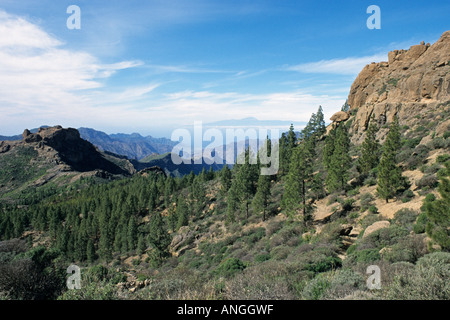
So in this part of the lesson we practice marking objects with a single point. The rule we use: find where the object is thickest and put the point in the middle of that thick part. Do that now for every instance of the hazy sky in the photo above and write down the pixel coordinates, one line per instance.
(151, 66)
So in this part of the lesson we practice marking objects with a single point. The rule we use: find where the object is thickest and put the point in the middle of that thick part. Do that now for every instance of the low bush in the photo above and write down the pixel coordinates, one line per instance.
(266, 281)
(316, 287)
(366, 201)
(406, 218)
(430, 181)
(229, 267)
(427, 281)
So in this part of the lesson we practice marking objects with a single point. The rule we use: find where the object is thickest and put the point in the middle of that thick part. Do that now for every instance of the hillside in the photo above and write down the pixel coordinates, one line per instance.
(165, 162)
(353, 196)
(54, 154)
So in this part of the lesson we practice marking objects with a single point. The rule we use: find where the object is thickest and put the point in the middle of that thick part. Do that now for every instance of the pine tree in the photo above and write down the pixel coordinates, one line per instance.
(246, 179)
(90, 251)
(345, 107)
(287, 144)
(300, 173)
(232, 202)
(210, 174)
(132, 233)
(181, 212)
(225, 179)
(438, 213)
(340, 161)
(198, 195)
(370, 150)
(141, 246)
(390, 178)
(158, 236)
(328, 149)
(319, 124)
(104, 246)
(262, 196)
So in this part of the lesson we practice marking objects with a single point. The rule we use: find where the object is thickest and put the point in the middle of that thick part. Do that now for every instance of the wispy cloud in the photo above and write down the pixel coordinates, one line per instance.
(345, 66)
(39, 77)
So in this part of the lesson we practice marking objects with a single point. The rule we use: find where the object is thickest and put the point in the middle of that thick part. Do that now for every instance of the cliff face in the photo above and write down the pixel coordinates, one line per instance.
(54, 154)
(411, 82)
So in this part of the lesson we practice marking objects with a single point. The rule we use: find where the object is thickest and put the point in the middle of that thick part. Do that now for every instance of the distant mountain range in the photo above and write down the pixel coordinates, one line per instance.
(133, 146)
(137, 147)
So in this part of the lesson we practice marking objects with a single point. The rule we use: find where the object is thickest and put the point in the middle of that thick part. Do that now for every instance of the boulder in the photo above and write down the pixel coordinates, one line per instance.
(340, 116)
(376, 226)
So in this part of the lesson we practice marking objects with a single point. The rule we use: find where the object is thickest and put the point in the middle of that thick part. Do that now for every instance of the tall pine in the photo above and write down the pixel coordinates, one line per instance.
(339, 163)
(370, 150)
(390, 177)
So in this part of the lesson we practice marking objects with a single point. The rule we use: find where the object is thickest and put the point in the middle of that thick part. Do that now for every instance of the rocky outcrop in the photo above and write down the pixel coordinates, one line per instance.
(409, 82)
(376, 226)
(4, 147)
(340, 116)
(79, 154)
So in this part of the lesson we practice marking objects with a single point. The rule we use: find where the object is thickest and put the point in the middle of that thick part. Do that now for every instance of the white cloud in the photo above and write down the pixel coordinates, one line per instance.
(42, 82)
(345, 66)
(40, 78)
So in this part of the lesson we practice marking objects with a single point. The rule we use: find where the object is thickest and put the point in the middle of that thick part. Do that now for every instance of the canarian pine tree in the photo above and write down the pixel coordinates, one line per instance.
(328, 149)
(370, 150)
(245, 182)
(319, 124)
(389, 174)
(300, 173)
(340, 161)
(287, 144)
(182, 212)
(225, 179)
(262, 196)
(158, 237)
(438, 213)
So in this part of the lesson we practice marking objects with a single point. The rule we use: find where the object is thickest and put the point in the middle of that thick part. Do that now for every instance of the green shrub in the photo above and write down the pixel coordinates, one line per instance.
(326, 264)
(408, 249)
(98, 273)
(265, 281)
(230, 266)
(366, 201)
(405, 217)
(370, 181)
(427, 281)
(407, 196)
(419, 226)
(365, 256)
(347, 205)
(430, 181)
(316, 288)
(442, 158)
(383, 237)
(373, 209)
(343, 283)
(280, 252)
(437, 143)
(262, 257)
(411, 143)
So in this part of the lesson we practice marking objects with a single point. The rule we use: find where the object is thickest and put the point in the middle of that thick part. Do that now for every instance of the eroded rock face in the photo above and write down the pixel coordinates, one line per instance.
(408, 82)
(340, 116)
(71, 149)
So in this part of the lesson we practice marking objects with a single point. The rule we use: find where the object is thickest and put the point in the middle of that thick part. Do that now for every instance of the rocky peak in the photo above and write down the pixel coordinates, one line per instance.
(76, 152)
(409, 82)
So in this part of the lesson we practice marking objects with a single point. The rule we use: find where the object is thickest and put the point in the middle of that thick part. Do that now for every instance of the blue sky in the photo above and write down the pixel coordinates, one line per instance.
(153, 66)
